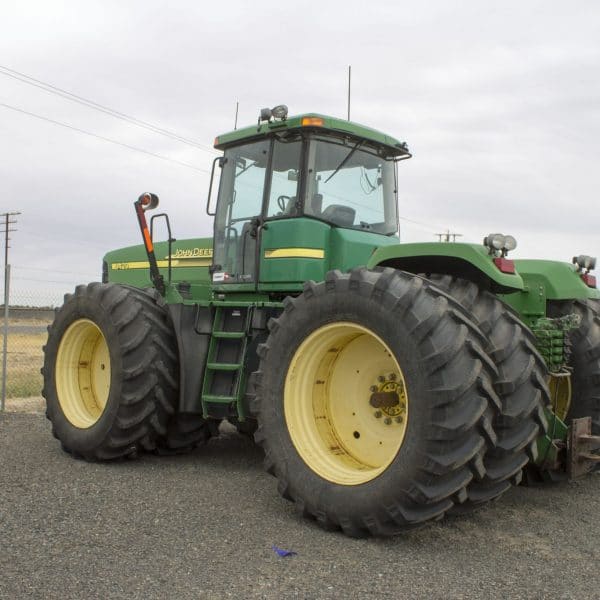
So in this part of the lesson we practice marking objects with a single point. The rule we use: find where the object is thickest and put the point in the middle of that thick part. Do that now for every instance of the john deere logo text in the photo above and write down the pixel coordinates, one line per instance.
(192, 253)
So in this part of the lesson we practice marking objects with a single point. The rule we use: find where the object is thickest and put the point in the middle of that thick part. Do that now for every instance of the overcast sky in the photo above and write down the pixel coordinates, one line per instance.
(498, 101)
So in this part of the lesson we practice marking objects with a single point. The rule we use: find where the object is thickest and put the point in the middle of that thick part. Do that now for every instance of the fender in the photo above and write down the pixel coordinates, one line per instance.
(469, 261)
(546, 280)
(560, 280)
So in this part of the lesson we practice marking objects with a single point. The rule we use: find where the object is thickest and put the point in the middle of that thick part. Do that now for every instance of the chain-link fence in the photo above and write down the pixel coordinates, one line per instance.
(30, 313)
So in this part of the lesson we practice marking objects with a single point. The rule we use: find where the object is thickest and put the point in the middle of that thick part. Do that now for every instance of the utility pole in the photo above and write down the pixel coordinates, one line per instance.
(9, 218)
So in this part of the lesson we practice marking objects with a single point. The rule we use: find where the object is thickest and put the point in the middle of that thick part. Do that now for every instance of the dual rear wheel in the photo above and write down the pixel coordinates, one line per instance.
(382, 402)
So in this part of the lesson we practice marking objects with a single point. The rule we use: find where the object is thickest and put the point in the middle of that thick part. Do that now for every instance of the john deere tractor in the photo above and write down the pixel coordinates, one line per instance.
(388, 384)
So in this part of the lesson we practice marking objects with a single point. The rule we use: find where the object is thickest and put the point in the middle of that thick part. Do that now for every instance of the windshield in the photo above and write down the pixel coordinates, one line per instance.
(351, 186)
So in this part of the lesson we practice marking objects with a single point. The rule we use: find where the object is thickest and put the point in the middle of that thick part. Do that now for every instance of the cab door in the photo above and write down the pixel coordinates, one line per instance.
(259, 191)
(239, 208)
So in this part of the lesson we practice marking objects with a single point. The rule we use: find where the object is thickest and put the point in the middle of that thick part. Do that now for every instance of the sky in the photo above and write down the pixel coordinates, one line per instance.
(498, 102)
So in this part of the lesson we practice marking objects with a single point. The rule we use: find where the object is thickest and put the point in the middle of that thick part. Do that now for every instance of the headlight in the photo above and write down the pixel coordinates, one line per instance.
(510, 243)
(498, 242)
(585, 262)
(494, 240)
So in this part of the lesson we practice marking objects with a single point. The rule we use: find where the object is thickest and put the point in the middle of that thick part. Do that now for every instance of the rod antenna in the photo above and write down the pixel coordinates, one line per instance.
(237, 106)
(349, 82)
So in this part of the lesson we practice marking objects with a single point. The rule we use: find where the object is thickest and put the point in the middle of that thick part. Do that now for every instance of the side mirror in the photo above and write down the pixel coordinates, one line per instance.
(220, 160)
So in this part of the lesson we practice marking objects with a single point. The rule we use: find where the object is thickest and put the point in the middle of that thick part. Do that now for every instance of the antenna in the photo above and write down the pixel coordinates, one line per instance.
(349, 82)
(445, 237)
(237, 106)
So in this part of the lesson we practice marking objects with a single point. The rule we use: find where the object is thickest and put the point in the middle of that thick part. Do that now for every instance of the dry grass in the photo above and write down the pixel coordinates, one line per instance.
(25, 359)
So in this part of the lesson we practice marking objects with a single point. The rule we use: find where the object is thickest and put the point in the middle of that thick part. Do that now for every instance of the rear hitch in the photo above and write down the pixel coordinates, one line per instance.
(581, 448)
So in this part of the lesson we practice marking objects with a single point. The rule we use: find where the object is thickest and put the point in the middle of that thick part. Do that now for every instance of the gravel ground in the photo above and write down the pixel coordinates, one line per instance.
(203, 526)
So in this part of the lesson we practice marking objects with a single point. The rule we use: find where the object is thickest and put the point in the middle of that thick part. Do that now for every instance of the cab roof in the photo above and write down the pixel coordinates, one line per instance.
(313, 121)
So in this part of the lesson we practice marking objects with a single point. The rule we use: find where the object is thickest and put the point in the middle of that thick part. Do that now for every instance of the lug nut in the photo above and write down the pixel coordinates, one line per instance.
(378, 414)
(399, 419)
(381, 379)
(387, 421)
(392, 377)
(373, 388)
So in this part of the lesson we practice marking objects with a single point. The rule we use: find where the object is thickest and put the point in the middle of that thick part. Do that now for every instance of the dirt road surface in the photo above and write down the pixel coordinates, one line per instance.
(203, 526)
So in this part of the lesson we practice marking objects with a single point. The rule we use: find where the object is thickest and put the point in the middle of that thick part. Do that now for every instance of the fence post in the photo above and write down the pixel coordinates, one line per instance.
(5, 341)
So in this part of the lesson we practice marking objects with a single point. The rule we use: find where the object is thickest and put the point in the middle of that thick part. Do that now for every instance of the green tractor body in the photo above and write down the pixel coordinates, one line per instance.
(390, 383)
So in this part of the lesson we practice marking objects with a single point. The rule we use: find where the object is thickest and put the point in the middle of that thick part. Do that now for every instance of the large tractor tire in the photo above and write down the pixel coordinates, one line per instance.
(374, 402)
(521, 385)
(110, 371)
(584, 360)
(185, 432)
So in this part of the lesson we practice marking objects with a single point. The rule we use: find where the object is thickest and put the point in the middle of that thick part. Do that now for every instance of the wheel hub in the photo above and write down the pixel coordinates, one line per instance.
(388, 398)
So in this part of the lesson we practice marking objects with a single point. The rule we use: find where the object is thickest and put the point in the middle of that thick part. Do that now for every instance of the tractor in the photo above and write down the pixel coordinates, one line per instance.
(389, 384)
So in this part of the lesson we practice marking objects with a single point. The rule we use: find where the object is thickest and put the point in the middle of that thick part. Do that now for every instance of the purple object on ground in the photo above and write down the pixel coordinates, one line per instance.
(283, 553)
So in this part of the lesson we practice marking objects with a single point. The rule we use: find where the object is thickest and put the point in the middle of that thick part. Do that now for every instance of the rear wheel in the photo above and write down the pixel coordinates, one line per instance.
(521, 384)
(374, 402)
(584, 360)
(110, 371)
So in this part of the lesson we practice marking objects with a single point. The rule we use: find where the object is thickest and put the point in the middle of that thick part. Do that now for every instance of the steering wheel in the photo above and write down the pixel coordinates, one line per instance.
(281, 202)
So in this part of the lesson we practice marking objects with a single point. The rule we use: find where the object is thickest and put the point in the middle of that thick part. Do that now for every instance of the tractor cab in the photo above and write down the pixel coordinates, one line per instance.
(296, 194)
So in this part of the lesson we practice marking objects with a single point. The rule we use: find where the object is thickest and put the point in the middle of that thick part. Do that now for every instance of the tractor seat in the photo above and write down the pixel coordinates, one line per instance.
(339, 215)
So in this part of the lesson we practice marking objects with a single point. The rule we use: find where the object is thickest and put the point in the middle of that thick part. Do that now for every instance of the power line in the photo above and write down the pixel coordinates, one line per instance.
(424, 226)
(52, 89)
(101, 137)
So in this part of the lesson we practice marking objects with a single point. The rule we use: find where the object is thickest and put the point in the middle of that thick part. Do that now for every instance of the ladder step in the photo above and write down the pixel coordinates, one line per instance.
(214, 366)
(218, 399)
(229, 335)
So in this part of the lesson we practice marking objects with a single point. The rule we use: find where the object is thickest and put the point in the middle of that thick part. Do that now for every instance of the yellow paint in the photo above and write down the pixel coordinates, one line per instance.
(295, 253)
(334, 428)
(560, 394)
(186, 253)
(82, 373)
(175, 263)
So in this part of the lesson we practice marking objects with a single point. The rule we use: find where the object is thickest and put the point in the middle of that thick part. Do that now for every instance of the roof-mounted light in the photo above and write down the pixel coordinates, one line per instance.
(280, 112)
(312, 122)
(277, 112)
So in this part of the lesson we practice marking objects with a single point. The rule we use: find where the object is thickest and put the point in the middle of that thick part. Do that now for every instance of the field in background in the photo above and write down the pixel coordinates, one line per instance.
(26, 337)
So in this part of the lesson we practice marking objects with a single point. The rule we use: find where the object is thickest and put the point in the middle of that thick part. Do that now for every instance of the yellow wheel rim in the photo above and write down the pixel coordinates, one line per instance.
(82, 373)
(560, 394)
(331, 407)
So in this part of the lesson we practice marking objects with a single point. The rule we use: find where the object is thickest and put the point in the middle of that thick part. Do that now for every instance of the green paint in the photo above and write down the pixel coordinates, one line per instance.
(552, 339)
(470, 261)
(186, 255)
(330, 125)
(546, 280)
(287, 248)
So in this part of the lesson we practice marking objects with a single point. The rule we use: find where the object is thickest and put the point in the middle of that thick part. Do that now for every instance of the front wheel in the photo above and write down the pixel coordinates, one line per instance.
(374, 402)
(110, 371)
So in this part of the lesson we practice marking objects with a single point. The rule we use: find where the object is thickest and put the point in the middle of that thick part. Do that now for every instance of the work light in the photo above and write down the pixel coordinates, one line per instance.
(584, 262)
